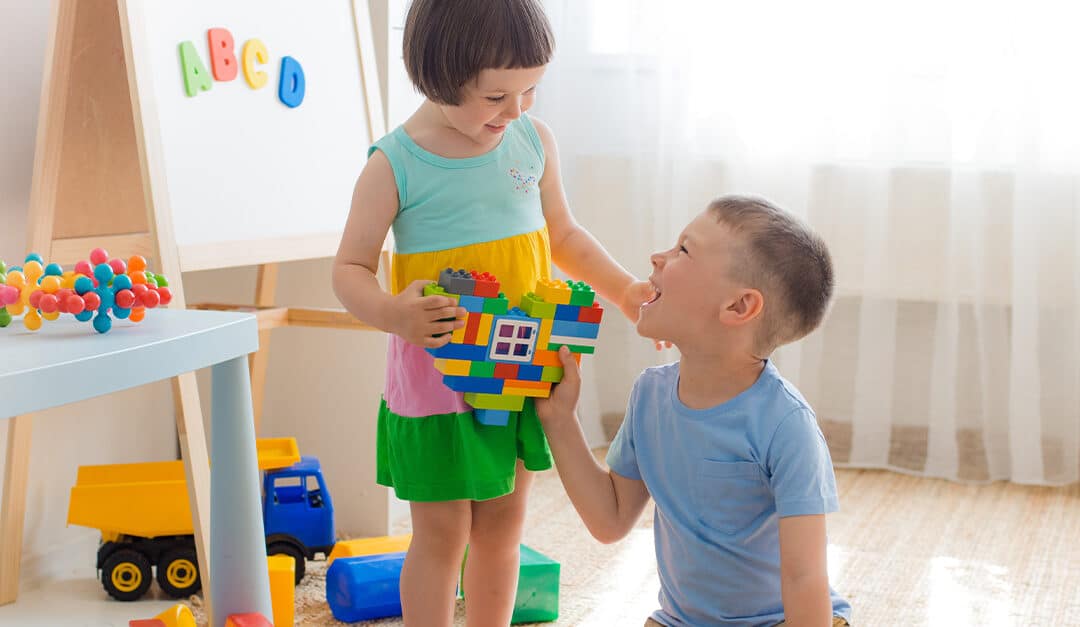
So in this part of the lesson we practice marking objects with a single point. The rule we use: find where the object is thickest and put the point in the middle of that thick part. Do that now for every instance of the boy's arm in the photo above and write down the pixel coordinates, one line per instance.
(608, 503)
(804, 580)
(574, 249)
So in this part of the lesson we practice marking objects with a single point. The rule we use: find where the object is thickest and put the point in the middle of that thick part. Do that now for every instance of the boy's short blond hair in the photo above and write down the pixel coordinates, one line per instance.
(782, 258)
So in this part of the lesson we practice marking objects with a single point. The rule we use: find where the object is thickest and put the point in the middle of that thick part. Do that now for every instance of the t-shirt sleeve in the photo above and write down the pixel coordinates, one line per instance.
(621, 456)
(800, 468)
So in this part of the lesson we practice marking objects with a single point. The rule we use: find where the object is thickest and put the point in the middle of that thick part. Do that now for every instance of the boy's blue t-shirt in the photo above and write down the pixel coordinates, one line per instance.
(721, 479)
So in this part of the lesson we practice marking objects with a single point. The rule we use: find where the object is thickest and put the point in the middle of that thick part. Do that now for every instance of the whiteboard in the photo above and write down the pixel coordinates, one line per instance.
(244, 178)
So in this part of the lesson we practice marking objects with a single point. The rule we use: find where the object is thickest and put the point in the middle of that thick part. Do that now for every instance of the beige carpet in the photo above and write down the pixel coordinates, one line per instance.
(904, 551)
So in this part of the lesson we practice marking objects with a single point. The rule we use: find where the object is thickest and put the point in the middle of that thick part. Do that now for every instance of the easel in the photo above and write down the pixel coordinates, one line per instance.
(98, 181)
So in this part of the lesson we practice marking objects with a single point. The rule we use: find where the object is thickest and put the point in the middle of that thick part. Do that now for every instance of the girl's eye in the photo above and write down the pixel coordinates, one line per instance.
(495, 98)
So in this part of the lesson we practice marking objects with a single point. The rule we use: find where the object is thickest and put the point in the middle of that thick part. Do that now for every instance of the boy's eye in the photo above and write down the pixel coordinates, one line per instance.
(682, 249)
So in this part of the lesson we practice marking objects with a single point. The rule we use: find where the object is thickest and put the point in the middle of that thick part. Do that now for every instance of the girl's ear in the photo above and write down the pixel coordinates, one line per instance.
(747, 306)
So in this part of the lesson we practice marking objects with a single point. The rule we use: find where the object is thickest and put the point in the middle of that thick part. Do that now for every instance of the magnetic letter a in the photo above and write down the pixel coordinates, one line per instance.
(196, 77)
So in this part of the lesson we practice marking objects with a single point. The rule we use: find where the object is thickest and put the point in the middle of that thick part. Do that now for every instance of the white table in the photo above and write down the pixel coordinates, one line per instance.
(67, 361)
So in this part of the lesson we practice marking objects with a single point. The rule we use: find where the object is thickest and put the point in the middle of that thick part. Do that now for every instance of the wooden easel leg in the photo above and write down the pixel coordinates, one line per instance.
(266, 285)
(13, 512)
(189, 426)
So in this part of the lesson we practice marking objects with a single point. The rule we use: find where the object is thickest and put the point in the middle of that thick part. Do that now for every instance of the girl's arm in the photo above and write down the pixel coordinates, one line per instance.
(575, 250)
(409, 314)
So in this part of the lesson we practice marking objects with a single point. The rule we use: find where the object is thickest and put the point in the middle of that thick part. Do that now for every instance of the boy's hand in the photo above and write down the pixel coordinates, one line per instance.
(564, 396)
(426, 321)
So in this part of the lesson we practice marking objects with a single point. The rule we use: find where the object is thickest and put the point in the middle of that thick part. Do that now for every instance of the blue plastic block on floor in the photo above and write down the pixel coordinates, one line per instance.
(365, 587)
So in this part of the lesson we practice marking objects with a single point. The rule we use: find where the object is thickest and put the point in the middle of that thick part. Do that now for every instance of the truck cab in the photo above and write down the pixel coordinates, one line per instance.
(298, 513)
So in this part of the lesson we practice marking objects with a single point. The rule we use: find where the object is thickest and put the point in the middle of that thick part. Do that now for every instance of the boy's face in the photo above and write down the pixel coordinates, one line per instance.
(493, 100)
(693, 285)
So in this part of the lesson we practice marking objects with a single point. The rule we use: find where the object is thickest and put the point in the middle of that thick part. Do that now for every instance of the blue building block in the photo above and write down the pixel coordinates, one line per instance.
(468, 352)
(474, 304)
(565, 328)
(365, 587)
(529, 372)
(492, 417)
(567, 312)
(481, 385)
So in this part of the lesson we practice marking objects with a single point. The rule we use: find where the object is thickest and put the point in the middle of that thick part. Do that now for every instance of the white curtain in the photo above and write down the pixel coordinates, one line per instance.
(934, 144)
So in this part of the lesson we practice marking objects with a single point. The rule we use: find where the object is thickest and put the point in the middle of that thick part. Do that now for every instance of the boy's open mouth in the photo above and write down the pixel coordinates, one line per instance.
(656, 295)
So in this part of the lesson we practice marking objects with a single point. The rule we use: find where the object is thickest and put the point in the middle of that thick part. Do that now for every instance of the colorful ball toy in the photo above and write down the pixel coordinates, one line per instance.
(96, 290)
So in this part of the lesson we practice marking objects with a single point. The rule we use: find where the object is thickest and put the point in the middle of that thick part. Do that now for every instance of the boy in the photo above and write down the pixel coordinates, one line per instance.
(730, 451)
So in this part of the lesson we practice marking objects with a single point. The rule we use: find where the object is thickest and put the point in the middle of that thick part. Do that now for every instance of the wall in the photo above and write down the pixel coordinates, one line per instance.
(322, 387)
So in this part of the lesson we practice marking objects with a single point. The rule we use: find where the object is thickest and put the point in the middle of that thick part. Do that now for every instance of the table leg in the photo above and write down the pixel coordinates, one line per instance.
(239, 576)
(13, 512)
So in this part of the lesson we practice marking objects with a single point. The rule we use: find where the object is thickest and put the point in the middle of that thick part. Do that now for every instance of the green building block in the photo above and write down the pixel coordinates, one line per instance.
(551, 374)
(573, 349)
(537, 599)
(537, 307)
(482, 369)
(480, 400)
(435, 289)
(581, 293)
(497, 306)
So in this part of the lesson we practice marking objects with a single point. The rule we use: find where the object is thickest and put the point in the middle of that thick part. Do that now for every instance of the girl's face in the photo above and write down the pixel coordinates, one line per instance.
(493, 100)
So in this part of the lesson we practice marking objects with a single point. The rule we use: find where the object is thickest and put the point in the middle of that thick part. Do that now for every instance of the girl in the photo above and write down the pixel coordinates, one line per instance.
(469, 181)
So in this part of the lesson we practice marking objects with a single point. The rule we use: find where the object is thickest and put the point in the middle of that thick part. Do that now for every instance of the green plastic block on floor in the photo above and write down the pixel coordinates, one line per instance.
(537, 599)
(538, 588)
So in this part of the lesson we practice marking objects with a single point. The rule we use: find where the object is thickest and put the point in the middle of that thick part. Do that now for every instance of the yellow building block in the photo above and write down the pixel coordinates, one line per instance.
(453, 367)
(553, 291)
(369, 546)
(282, 589)
(483, 333)
(544, 336)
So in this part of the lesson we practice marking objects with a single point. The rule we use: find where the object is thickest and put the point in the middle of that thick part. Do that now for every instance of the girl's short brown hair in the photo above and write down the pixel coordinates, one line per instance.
(448, 42)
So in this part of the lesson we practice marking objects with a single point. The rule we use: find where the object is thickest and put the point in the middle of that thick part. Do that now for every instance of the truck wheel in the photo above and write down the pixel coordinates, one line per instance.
(178, 573)
(126, 575)
(284, 548)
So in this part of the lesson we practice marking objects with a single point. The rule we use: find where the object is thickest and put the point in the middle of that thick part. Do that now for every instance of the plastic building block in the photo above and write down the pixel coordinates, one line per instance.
(537, 307)
(492, 417)
(518, 387)
(495, 401)
(529, 372)
(483, 369)
(552, 374)
(497, 306)
(369, 546)
(178, 615)
(365, 587)
(8, 296)
(487, 286)
(457, 282)
(545, 332)
(551, 358)
(472, 326)
(454, 367)
(537, 597)
(472, 304)
(474, 384)
(575, 329)
(434, 289)
(591, 314)
(251, 619)
(581, 293)
(567, 312)
(506, 371)
(468, 352)
(552, 291)
(283, 589)
(483, 331)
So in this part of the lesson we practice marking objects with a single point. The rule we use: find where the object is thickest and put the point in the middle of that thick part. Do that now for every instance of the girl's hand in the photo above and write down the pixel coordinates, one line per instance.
(562, 403)
(633, 296)
(426, 321)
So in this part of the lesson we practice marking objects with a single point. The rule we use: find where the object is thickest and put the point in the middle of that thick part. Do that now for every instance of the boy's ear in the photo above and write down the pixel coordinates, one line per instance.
(746, 307)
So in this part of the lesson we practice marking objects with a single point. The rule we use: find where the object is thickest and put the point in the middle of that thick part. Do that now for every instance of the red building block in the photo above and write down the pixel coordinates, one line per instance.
(251, 619)
(591, 314)
(486, 285)
(506, 371)
(147, 622)
(472, 326)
